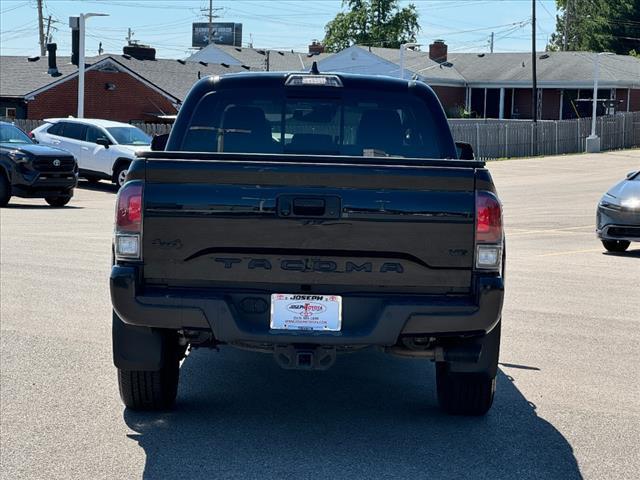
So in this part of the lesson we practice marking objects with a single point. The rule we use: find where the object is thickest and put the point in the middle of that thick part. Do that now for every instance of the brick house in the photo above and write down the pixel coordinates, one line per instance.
(117, 87)
(498, 85)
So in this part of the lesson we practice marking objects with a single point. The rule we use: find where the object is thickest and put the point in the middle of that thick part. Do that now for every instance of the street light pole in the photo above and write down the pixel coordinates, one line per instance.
(81, 23)
(403, 47)
(593, 141)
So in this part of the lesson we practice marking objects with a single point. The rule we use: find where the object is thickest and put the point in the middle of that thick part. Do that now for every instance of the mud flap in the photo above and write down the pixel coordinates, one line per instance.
(489, 351)
(136, 348)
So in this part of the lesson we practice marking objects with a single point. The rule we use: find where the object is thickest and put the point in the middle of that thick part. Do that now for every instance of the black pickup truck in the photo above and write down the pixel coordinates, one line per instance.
(306, 215)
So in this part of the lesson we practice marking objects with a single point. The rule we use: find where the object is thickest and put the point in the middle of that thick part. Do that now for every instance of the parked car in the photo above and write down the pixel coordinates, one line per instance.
(307, 215)
(34, 171)
(618, 215)
(103, 149)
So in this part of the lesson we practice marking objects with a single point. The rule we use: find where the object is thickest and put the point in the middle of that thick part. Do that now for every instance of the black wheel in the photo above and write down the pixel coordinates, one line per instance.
(468, 389)
(57, 201)
(464, 393)
(153, 390)
(615, 245)
(5, 190)
(120, 174)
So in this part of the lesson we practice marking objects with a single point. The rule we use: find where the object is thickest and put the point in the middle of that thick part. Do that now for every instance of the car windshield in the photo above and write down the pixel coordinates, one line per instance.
(358, 123)
(11, 134)
(129, 136)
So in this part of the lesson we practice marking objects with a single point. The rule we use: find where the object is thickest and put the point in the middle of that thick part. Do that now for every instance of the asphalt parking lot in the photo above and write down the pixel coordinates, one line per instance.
(568, 400)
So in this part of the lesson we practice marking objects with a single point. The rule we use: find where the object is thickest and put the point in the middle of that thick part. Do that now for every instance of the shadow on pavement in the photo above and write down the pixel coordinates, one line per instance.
(44, 206)
(370, 416)
(631, 253)
(98, 186)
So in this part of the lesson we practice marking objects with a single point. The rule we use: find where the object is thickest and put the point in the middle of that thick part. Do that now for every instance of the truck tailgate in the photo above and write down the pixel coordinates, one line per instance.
(301, 227)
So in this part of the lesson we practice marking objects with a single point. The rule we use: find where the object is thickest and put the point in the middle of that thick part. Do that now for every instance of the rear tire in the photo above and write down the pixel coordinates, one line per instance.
(57, 201)
(464, 393)
(157, 389)
(120, 174)
(615, 245)
(5, 190)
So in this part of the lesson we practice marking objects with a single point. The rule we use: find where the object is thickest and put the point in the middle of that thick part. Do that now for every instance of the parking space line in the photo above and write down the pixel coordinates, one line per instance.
(569, 252)
(550, 230)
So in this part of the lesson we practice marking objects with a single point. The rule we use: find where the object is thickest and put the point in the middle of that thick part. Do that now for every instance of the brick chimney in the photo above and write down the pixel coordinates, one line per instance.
(139, 51)
(438, 51)
(53, 65)
(316, 47)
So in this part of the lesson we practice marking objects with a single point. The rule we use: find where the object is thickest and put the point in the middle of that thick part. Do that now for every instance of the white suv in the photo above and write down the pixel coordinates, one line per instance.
(103, 149)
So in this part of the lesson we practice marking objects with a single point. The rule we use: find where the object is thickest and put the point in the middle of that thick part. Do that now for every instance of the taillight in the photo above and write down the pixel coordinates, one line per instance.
(489, 233)
(128, 228)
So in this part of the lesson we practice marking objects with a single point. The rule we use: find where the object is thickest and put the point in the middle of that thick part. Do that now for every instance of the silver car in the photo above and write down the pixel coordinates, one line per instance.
(618, 217)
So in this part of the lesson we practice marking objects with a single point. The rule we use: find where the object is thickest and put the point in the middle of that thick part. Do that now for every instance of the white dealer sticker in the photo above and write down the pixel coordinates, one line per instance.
(306, 312)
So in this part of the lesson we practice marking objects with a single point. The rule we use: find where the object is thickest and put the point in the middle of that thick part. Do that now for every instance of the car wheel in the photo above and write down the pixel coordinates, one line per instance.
(120, 174)
(615, 245)
(57, 201)
(464, 393)
(156, 389)
(5, 191)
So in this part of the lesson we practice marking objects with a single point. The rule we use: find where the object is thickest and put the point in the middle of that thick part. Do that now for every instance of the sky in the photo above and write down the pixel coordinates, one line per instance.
(465, 25)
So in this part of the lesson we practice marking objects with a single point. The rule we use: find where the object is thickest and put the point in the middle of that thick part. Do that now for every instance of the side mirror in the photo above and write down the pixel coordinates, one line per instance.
(103, 141)
(631, 174)
(465, 151)
(159, 142)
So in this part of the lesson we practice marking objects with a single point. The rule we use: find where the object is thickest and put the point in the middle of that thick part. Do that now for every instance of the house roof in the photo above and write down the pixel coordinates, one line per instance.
(20, 77)
(491, 70)
(256, 59)
(554, 69)
(418, 63)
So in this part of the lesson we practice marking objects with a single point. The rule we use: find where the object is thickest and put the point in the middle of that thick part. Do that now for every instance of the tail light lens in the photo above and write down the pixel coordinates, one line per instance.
(128, 228)
(489, 232)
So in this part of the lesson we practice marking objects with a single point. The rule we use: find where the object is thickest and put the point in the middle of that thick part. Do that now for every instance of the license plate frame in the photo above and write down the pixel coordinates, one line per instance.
(302, 312)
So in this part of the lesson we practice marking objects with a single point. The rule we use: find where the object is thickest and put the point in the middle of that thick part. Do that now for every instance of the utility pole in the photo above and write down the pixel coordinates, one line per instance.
(210, 13)
(46, 37)
(43, 49)
(534, 90)
(210, 20)
(565, 40)
(491, 43)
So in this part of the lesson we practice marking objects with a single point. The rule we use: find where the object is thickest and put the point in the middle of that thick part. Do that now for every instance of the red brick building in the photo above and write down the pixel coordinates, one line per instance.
(117, 87)
(499, 85)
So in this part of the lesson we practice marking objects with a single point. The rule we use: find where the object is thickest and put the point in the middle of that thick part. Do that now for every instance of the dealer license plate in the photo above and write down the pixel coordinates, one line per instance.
(306, 312)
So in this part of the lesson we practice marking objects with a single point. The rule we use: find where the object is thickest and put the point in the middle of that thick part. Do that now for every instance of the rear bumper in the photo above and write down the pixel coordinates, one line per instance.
(367, 320)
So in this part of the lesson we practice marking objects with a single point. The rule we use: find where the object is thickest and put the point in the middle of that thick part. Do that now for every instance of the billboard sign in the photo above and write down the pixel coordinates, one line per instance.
(221, 33)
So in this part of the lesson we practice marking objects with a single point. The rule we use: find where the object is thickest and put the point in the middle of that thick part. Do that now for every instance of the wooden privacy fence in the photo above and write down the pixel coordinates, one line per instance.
(492, 139)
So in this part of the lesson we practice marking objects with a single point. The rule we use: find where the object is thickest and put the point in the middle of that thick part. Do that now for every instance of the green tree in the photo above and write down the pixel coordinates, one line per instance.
(597, 25)
(380, 23)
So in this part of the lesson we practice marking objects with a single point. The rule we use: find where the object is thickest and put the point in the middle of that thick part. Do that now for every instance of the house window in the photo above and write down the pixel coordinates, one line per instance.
(10, 113)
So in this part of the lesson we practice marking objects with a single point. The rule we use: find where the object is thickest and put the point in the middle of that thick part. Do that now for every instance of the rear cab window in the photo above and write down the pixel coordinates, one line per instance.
(307, 121)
